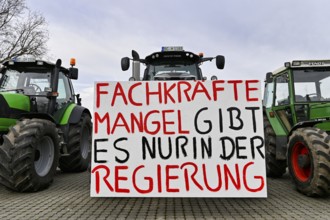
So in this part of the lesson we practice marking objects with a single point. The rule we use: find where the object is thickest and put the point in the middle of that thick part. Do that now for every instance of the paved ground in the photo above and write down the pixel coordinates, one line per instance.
(68, 198)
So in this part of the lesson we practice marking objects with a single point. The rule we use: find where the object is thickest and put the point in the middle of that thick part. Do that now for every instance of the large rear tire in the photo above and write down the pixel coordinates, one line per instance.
(79, 146)
(274, 167)
(29, 155)
(309, 161)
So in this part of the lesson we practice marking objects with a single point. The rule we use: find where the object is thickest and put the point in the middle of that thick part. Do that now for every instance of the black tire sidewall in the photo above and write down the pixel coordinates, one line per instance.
(50, 131)
(74, 161)
(86, 122)
(19, 154)
(274, 167)
(317, 142)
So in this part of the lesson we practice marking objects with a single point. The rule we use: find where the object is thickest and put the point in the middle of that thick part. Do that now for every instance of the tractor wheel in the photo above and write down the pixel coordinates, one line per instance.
(309, 161)
(274, 167)
(29, 155)
(79, 146)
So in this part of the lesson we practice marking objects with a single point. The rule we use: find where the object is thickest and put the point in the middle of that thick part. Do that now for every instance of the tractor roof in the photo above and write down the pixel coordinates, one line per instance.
(302, 64)
(168, 56)
(31, 64)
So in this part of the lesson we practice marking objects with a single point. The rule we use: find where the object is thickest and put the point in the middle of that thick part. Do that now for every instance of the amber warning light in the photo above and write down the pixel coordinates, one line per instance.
(72, 61)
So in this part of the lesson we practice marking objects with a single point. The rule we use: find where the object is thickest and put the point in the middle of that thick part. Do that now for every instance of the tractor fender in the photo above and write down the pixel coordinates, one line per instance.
(72, 115)
(281, 138)
(76, 114)
(303, 124)
(38, 115)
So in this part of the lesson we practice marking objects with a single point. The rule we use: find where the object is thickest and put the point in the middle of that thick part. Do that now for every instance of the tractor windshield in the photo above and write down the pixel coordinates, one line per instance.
(312, 85)
(29, 83)
(173, 71)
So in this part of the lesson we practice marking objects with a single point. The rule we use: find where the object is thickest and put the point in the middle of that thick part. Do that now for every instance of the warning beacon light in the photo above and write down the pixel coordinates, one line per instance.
(72, 62)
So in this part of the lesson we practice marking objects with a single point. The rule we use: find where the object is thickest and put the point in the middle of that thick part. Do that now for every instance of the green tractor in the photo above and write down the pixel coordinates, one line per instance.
(297, 124)
(42, 124)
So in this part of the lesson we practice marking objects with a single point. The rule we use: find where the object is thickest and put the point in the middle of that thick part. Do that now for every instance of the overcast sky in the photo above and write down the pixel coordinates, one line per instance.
(255, 36)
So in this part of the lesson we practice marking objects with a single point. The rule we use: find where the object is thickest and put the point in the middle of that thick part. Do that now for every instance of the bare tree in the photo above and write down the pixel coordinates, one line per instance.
(21, 30)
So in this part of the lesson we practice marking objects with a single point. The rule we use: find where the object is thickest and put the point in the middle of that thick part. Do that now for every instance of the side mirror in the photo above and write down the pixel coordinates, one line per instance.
(269, 77)
(125, 63)
(73, 73)
(220, 61)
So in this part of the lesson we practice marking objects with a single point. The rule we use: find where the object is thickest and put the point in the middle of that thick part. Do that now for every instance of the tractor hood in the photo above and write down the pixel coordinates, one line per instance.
(13, 105)
(174, 76)
(320, 111)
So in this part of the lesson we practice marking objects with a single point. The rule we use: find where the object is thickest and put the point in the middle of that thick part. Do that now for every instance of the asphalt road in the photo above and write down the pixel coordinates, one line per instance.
(68, 198)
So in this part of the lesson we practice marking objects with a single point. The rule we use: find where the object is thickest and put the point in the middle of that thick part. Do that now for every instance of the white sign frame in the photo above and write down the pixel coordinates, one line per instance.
(178, 139)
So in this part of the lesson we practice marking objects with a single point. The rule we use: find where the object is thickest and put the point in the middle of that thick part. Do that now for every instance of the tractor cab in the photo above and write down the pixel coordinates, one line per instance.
(35, 79)
(29, 86)
(299, 92)
(171, 63)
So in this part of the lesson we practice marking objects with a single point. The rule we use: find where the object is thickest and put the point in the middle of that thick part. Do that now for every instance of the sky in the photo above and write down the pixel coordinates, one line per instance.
(255, 36)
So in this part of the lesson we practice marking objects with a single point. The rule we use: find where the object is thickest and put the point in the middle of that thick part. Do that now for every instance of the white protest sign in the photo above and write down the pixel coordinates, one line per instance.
(178, 139)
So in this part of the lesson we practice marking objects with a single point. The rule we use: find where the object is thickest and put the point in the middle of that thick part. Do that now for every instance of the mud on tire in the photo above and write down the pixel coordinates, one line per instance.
(309, 161)
(29, 155)
(79, 146)
(274, 167)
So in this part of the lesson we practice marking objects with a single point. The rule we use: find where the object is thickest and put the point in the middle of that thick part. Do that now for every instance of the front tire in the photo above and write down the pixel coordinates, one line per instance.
(29, 155)
(275, 168)
(309, 161)
(79, 146)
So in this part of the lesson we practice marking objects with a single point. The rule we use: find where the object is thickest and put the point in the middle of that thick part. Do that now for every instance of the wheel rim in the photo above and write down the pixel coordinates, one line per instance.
(84, 145)
(44, 156)
(302, 172)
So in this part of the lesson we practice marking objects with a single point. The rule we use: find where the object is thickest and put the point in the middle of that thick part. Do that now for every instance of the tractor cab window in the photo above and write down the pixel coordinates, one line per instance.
(173, 70)
(312, 85)
(282, 100)
(268, 95)
(9, 80)
(26, 82)
(282, 90)
(64, 90)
